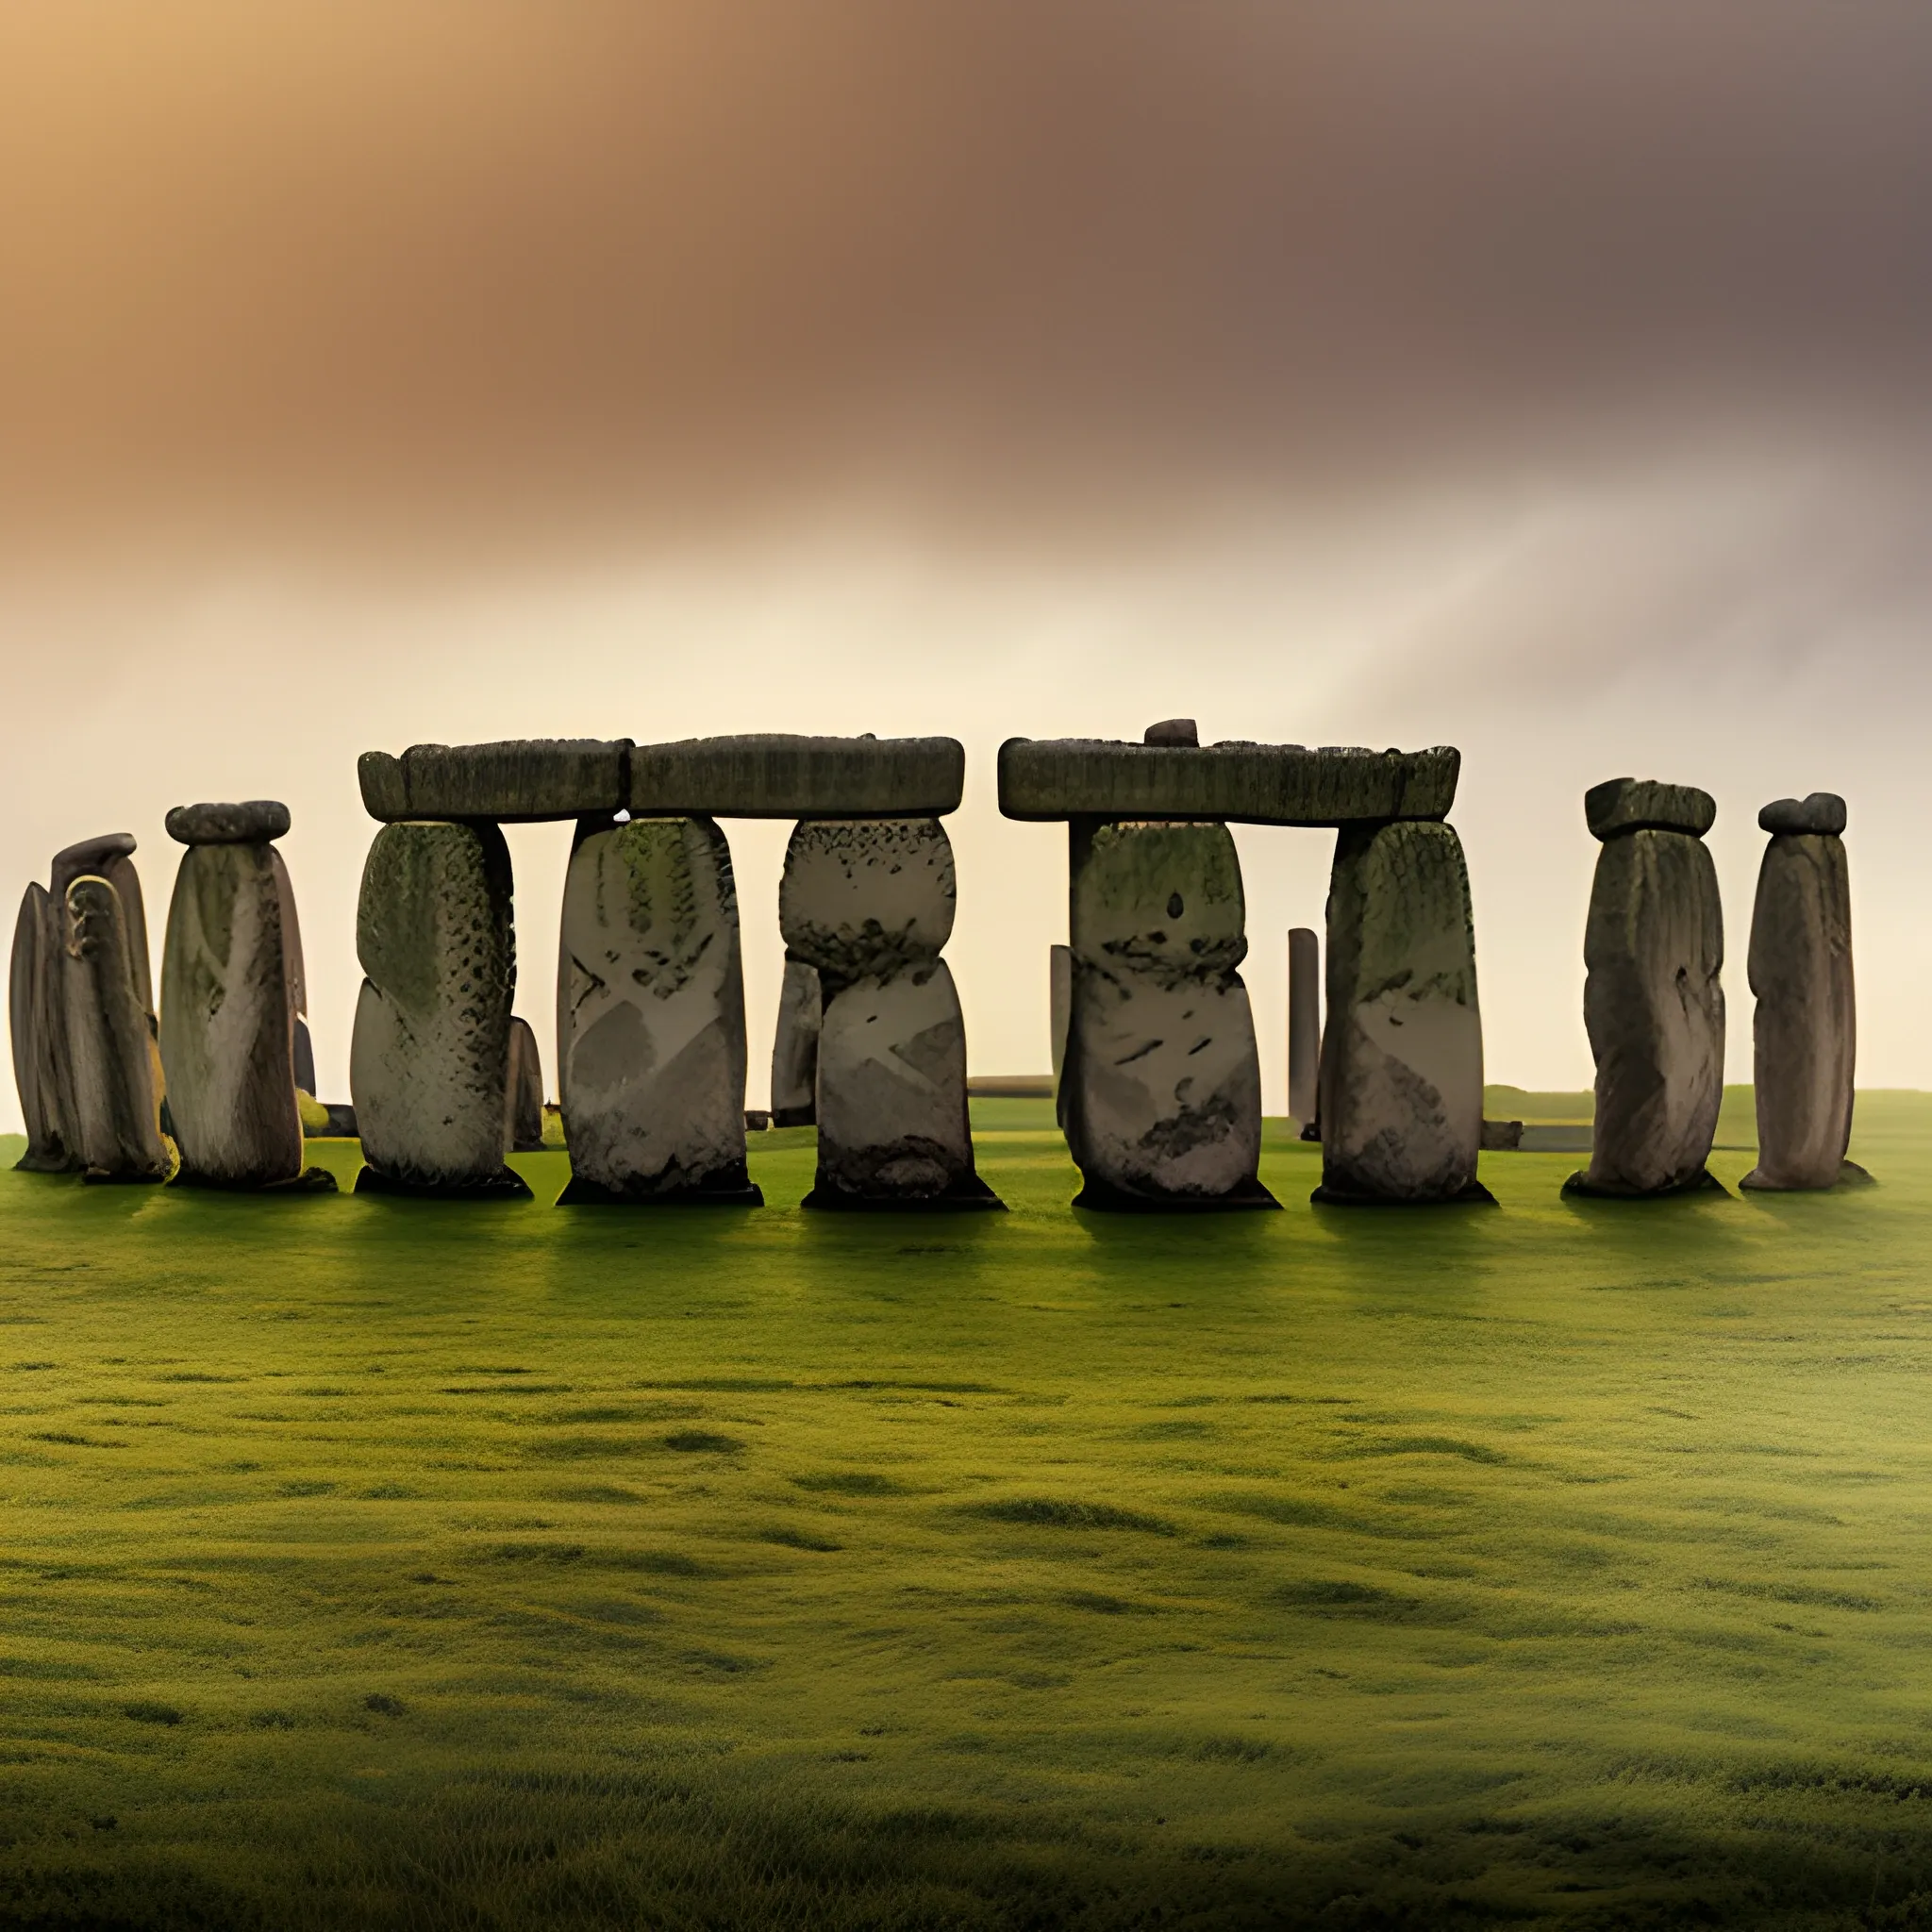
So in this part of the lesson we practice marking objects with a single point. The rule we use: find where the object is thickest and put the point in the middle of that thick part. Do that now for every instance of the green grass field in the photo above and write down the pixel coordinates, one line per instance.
(388, 1564)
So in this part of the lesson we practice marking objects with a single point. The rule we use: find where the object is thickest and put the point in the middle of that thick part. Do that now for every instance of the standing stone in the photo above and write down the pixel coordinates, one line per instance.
(1806, 1038)
(1653, 1002)
(116, 1069)
(1400, 1094)
(650, 1014)
(429, 1058)
(39, 1058)
(869, 903)
(795, 1047)
(110, 856)
(1160, 1092)
(523, 1092)
(1303, 1026)
(1060, 1006)
(227, 1015)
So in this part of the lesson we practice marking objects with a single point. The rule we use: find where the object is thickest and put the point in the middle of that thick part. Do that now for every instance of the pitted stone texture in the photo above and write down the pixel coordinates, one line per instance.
(1629, 805)
(1303, 1022)
(651, 1011)
(429, 1058)
(116, 1068)
(868, 903)
(1655, 1009)
(1253, 783)
(1805, 1045)
(777, 776)
(1160, 1092)
(795, 1047)
(228, 1024)
(867, 898)
(111, 858)
(1401, 1097)
(253, 822)
(514, 779)
(1822, 811)
(38, 1052)
(523, 1092)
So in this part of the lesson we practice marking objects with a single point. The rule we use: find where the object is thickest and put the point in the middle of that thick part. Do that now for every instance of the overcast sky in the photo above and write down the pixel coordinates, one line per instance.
(1548, 380)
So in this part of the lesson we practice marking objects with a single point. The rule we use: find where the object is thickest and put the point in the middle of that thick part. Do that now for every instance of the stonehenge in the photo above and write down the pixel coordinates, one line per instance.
(1653, 1002)
(1805, 1035)
(231, 988)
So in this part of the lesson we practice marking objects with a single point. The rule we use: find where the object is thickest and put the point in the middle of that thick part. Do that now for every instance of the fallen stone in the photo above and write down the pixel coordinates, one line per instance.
(1822, 811)
(510, 781)
(795, 1047)
(1251, 784)
(429, 1058)
(1401, 1097)
(33, 1010)
(1655, 1009)
(1630, 804)
(523, 1092)
(868, 904)
(111, 858)
(1160, 1091)
(775, 776)
(650, 1005)
(1304, 1023)
(1172, 731)
(1805, 1033)
(1502, 1137)
(116, 1071)
(253, 823)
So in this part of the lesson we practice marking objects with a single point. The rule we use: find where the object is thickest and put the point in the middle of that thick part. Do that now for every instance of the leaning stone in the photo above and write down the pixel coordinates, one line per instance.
(116, 1069)
(1807, 1021)
(33, 1008)
(523, 1092)
(228, 1025)
(869, 903)
(111, 858)
(1655, 1009)
(776, 776)
(1822, 811)
(650, 1004)
(795, 1047)
(1630, 804)
(515, 780)
(429, 1057)
(1160, 1091)
(1251, 783)
(253, 823)
(1401, 1099)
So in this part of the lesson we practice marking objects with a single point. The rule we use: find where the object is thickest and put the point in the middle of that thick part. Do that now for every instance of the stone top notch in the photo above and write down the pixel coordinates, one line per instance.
(253, 822)
(1647, 805)
(1248, 784)
(767, 776)
(1822, 811)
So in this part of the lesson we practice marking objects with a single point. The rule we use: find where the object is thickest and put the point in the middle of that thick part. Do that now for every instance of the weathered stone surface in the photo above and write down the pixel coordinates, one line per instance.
(795, 1047)
(252, 823)
(776, 776)
(1172, 731)
(869, 903)
(1303, 1022)
(1060, 1006)
(651, 1016)
(1401, 1098)
(1822, 811)
(111, 858)
(523, 1092)
(116, 1069)
(39, 1052)
(1806, 1043)
(1160, 1092)
(429, 1058)
(513, 780)
(1655, 1009)
(1253, 783)
(1629, 805)
(228, 1024)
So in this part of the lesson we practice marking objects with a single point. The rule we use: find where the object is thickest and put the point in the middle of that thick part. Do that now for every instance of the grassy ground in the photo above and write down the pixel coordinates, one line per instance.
(375, 1563)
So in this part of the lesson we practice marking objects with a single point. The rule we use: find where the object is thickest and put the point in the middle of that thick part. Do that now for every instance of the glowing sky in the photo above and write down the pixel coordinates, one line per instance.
(1548, 381)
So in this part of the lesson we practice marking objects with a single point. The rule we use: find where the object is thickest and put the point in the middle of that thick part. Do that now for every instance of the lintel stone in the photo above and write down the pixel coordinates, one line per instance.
(253, 822)
(516, 780)
(1822, 811)
(1247, 783)
(768, 774)
(1647, 805)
